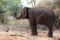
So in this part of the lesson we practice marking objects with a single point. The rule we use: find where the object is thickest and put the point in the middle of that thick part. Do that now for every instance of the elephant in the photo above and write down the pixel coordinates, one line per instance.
(39, 15)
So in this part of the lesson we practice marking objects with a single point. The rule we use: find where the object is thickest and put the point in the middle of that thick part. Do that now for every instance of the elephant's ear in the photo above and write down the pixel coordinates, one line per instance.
(25, 12)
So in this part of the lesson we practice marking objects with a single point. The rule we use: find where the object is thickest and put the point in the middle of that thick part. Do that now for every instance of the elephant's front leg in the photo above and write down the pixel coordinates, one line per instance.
(33, 24)
(34, 30)
(33, 27)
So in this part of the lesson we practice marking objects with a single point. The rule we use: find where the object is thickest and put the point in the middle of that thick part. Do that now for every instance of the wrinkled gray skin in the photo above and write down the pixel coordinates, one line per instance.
(36, 16)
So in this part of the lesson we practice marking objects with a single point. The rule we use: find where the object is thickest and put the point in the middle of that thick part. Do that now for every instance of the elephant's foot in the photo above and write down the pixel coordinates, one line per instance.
(34, 34)
(34, 31)
(50, 35)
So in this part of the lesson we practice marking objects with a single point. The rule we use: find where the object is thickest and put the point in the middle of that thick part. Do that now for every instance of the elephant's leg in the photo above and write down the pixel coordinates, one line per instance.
(33, 27)
(50, 32)
(34, 30)
(33, 24)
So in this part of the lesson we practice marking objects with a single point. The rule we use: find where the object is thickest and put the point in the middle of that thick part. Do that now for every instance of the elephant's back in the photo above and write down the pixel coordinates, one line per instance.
(43, 15)
(41, 11)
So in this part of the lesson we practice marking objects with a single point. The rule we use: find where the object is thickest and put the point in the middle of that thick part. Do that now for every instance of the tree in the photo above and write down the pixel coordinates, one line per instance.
(14, 6)
(33, 2)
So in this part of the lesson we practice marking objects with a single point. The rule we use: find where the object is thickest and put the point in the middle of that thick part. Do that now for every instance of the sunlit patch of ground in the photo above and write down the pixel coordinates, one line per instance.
(26, 35)
(19, 30)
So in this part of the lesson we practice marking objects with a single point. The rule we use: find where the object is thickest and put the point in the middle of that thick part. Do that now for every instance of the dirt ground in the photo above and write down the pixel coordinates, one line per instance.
(26, 35)
(22, 32)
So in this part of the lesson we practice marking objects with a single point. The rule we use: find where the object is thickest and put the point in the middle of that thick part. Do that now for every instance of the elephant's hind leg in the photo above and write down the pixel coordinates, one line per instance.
(50, 32)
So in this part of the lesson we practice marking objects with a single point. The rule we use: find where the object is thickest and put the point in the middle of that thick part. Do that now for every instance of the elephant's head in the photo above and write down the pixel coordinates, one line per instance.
(24, 13)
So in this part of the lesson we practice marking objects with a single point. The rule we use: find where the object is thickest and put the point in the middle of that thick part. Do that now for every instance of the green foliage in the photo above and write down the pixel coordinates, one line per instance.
(1, 11)
(15, 9)
(13, 6)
